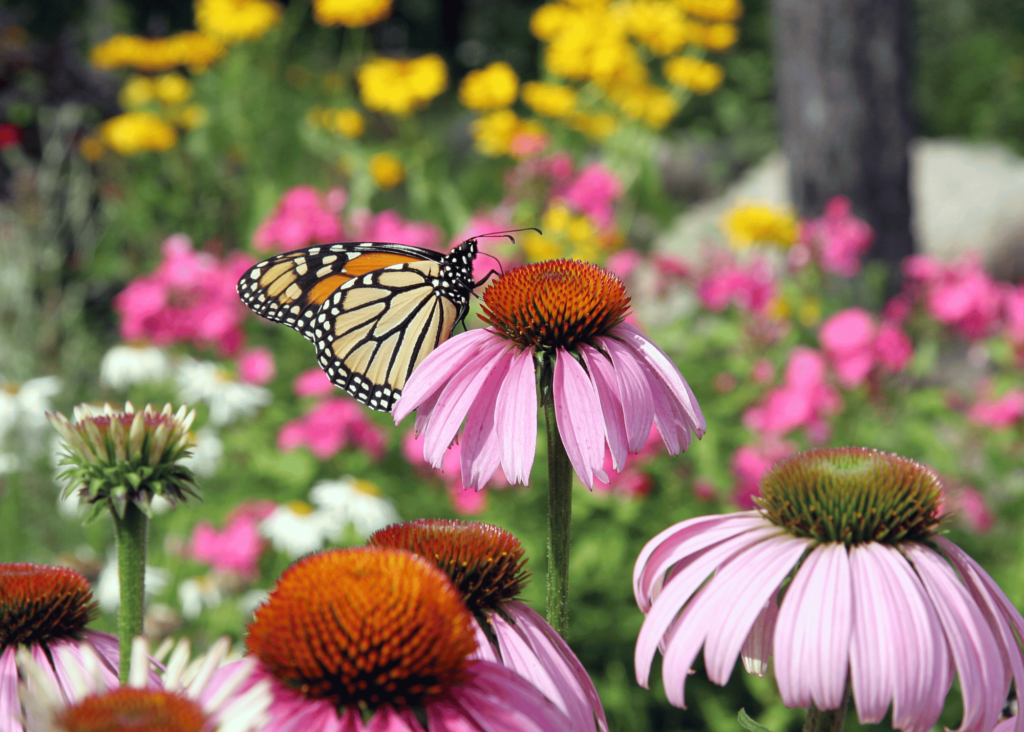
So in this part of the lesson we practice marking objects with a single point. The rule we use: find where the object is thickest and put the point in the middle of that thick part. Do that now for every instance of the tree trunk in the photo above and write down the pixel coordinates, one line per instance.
(842, 72)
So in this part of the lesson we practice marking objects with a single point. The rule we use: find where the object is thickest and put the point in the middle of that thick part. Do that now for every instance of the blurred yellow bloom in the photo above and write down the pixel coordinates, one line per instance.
(658, 24)
(138, 91)
(539, 248)
(809, 313)
(236, 20)
(191, 48)
(549, 100)
(172, 88)
(548, 20)
(580, 230)
(717, 36)
(347, 122)
(649, 104)
(493, 133)
(350, 13)
(399, 86)
(91, 148)
(386, 170)
(701, 77)
(724, 10)
(192, 117)
(757, 223)
(493, 87)
(135, 132)
(556, 219)
(779, 309)
(592, 43)
(595, 126)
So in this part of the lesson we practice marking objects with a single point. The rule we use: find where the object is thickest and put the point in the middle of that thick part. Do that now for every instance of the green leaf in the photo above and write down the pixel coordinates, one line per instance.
(746, 722)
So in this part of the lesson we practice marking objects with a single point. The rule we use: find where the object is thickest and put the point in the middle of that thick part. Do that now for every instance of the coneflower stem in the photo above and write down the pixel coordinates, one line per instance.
(827, 720)
(130, 533)
(559, 524)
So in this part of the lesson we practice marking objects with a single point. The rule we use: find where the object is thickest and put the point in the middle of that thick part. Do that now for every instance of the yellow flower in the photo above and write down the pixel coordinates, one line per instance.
(347, 122)
(386, 170)
(493, 87)
(556, 219)
(190, 48)
(653, 106)
(138, 91)
(400, 87)
(701, 77)
(591, 44)
(548, 20)
(757, 223)
(172, 88)
(493, 133)
(549, 100)
(580, 230)
(192, 117)
(539, 248)
(135, 132)
(595, 126)
(724, 10)
(660, 25)
(350, 13)
(91, 148)
(717, 36)
(809, 314)
(236, 20)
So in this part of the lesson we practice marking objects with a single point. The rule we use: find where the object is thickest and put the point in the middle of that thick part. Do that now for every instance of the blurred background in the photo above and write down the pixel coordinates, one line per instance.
(815, 207)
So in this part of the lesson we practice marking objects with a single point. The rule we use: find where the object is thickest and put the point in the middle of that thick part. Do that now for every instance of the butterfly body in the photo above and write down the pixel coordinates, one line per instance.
(373, 310)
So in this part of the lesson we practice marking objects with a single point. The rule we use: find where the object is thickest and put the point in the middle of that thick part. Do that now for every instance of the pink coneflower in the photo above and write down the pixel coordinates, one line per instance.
(44, 611)
(840, 575)
(385, 632)
(608, 382)
(488, 568)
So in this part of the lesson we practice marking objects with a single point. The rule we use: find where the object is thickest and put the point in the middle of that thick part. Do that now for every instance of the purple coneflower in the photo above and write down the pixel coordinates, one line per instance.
(841, 577)
(365, 639)
(82, 702)
(608, 382)
(487, 566)
(44, 612)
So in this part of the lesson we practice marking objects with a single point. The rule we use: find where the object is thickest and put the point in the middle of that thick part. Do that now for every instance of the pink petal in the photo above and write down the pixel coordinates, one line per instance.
(485, 650)
(898, 650)
(979, 664)
(724, 611)
(387, 719)
(680, 588)
(812, 634)
(495, 699)
(479, 457)
(679, 542)
(517, 425)
(437, 368)
(603, 376)
(10, 707)
(634, 391)
(757, 648)
(457, 397)
(578, 414)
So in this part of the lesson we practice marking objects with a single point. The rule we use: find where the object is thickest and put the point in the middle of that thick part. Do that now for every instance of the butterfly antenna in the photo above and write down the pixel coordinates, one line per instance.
(508, 234)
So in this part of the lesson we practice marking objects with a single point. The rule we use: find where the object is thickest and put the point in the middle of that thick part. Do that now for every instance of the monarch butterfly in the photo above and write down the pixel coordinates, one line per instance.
(374, 311)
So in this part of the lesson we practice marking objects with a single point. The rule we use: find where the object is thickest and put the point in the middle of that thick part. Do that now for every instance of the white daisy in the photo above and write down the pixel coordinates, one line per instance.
(296, 528)
(23, 425)
(196, 593)
(207, 451)
(354, 501)
(201, 688)
(228, 399)
(125, 366)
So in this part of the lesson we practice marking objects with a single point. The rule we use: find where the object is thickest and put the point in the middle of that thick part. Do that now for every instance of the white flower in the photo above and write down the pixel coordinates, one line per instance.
(207, 451)
(228, 399)
(124, 366)
(23, 424)
(251, 600)
(354, 501)
(196, 593)
(296, 528)
(108, 586)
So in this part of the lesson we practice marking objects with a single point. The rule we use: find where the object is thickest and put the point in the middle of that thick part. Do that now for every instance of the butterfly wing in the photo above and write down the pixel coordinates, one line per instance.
(290, 288)
(375, 329)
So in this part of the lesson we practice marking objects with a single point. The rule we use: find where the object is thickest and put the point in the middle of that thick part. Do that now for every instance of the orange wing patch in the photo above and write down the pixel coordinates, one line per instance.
(323, 289)
(366, 263)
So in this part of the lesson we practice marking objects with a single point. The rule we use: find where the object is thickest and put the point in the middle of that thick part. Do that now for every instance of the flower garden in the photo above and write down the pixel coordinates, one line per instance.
(563, 516)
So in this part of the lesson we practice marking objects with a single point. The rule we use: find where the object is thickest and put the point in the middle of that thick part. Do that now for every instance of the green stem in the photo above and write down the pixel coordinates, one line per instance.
(130, 532)
(559, 516)
(828, 720)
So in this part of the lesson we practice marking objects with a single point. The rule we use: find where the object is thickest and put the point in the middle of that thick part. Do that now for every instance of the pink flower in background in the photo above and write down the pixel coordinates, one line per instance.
(1000, 412)
(528, 144)
(750, 463)
(803, 400)
(303, 217)
(312, 382)
(594, 192)
(629, 482)
(968, 505)
(1013, 313)
(489, 247)
(236, 548)
(623, 262)
(898, 308)
(848, 338)
(465, 501)
(389, 226)
(893, 347)
(256, 366)
(762, 371)
(727, 283)
(839, 238)
(330, 427)
(961, 294)
(189, 298)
